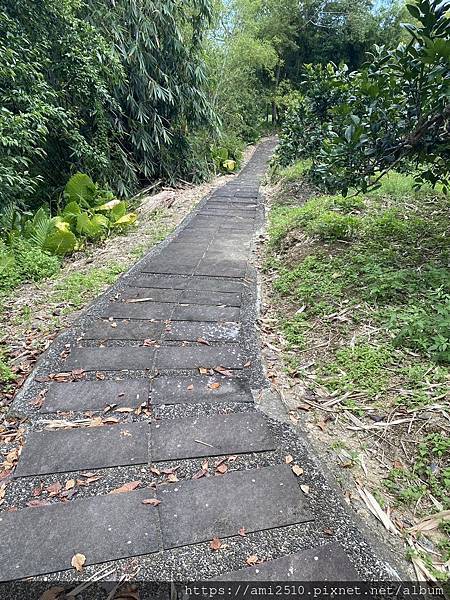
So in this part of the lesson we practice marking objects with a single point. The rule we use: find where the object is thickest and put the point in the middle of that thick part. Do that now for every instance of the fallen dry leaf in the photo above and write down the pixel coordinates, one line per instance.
(70, 484)
(54, 489)
(297, 470)
(200, 474)
(52, 593)
(78, 561)
(242, 532)
(321, 425)
(252, 560)
(190, 387)
(151, 501)
(172, 478)
(203, 341)
(214, 386)
(155, 471)
(223, 371)
(222, 469)
(127, 487)
(215, 544)
(431, 522)
(37, 503)
(202, 371)
(305, 489)
(288, 459)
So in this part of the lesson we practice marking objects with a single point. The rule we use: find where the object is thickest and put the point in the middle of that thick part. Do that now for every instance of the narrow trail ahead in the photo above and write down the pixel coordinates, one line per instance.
(167, 362)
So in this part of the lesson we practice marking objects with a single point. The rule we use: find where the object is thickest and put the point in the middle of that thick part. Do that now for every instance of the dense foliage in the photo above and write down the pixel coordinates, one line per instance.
(395, 112)
(259, 47)
(111, 89)
(57, 110)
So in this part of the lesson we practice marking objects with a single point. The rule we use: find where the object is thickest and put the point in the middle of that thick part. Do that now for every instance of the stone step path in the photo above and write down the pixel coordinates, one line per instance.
(155, 390)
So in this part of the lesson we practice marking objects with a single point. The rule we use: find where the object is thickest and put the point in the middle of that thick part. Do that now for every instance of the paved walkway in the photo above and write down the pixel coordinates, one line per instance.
(167, 362)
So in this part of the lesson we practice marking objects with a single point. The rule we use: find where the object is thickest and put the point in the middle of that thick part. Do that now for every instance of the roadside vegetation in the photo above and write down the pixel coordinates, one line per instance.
(358, 258)
(102, 102)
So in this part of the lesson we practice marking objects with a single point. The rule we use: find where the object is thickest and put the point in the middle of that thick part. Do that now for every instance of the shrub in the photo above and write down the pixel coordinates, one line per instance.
(23, 262)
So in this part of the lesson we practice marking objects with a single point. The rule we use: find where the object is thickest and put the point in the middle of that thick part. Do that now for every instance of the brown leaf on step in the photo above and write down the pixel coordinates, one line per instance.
(201, 340)
(398, 464)
(190, 387)
(202, 371)
(54, 489)
(78, 561)
(297, 470)
(155, 471)
(169, 471)
(52, 593)
(90, 480)
(328, 531)
(293, 418)
(37, 503)
(242, 532)
(321, 424)
(205, 465)
(151, 501)
(77, 373)
(248, 364)
(252, 560)
(215, 544)
(38, 490)
(223, 371)
(172, 478)
(100, 375)
(214, 386)
(38, 401)
(222, 469)
(149, 342)
(200, 474)
(305, 489)
(304, 407)
(70, 484)
(123, 409)
(127, 487)
(288, 459)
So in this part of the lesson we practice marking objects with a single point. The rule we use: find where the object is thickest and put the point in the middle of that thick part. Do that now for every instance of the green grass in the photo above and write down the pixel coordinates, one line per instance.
(294, 331)
(293, 172)
(6, 375)
(382, 262)
(75, 289)
(362, 368)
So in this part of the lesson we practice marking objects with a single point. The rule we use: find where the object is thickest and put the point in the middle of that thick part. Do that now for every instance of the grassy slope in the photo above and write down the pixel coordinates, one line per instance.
(363, 287)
